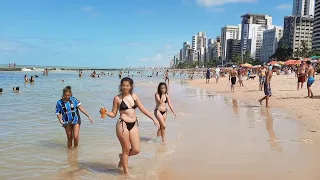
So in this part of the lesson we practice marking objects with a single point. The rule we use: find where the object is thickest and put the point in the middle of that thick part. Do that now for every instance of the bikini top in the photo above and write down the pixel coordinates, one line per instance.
(166, 101)
(124, 106)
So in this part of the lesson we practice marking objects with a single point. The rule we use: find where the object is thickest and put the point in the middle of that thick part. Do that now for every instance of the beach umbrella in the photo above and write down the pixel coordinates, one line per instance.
(292, 62)
(273, 63)
(247, 65)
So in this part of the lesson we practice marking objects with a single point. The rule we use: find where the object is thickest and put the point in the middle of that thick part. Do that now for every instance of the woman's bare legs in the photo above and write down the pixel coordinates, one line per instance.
(69, 130)
(76, 129)
(162, 121)
(130, 143)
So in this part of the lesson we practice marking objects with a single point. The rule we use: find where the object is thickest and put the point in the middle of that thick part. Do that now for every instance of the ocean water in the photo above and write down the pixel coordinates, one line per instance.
(211, 136)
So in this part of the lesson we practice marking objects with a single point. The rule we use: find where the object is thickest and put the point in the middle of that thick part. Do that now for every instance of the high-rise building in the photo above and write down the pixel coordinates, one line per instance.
(271, 38)
(296, 30)
(303, 7)
(316, 28)
(217, 48)
(199, 43)
(252, 28)
(233, 49)
(214, 48)
(185, 47)
(228, 32)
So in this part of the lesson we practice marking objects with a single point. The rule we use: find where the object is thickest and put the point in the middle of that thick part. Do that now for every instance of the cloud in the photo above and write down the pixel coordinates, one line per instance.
(12, 46)
(284, 6)
(218, 10)
(160, 57)
(168, 46)
(211, 3)
(90, 10)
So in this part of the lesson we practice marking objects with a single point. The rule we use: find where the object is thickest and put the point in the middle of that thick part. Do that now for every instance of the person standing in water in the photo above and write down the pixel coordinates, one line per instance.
(162, 98)
(26, 80)
(208, 74)
(120, 74)
(310, 73)
(166, 77)
(233, 78)
(267, 85)
(67, 111)
(31, 79)
(127, 126)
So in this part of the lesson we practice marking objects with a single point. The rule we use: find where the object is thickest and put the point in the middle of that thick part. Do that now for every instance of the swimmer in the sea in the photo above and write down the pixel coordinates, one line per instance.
(162, 98)
(1, 90)
(26, 78)
(67, 111)
(16, 90)
(127, 126)
(31, 79)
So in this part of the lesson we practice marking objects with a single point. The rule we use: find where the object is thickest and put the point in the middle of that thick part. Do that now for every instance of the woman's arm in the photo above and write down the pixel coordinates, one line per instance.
(115, 108)
(85, 113)
(59, 116)
(58, 113)
(170, 105)
(144, 111)
(157, 97)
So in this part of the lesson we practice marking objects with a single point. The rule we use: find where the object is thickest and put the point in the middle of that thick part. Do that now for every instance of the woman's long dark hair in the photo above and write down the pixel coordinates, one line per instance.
(126, 79)
(159, 86)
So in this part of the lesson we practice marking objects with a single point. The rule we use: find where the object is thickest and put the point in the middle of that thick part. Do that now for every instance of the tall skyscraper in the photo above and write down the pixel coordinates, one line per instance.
(199, 46)
(185, 47)
(316, 28)
(303, 7)
(233, 49)
(271, 38)
(229, 32)
(252, 28)
(297, 29)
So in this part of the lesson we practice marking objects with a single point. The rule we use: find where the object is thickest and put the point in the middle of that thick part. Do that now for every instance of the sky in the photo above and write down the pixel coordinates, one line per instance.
(116, 33)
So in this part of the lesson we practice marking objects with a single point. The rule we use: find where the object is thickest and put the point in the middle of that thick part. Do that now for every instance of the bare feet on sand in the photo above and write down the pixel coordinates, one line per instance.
(120, 163)
(260, 102)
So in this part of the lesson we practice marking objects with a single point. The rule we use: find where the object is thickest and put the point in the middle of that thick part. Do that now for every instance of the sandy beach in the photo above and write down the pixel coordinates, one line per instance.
(285, 96)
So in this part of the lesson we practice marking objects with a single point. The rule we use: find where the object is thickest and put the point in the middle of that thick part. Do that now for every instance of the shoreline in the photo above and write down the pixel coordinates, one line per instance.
(285, 96)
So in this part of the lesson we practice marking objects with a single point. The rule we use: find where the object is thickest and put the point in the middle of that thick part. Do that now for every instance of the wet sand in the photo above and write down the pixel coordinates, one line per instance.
(284, 95)
(234, 139)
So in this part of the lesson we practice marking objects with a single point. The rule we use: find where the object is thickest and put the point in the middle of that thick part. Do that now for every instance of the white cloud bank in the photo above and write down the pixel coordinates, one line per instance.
(211, 3)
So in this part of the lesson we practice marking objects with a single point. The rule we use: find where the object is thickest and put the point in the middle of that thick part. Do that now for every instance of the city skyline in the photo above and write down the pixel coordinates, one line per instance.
(118, 34)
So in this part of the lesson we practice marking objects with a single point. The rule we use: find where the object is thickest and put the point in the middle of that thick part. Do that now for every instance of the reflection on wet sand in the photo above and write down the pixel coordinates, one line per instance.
(269, 125)
(235, 106)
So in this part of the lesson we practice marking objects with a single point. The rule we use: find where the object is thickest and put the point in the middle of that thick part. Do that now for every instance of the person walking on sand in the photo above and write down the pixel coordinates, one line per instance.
(160, 112)
(233, 78)
(166, 77)
(127, 126)
(208, 75)
(217, 74)
(67, 111)
(240, 76)
(310, 73)
(262, 77)
(301, 75)
(267, 86)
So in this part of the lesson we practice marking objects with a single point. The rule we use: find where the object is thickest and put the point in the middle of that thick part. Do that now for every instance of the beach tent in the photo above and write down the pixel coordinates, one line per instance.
(246, 65)
(292, 62)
